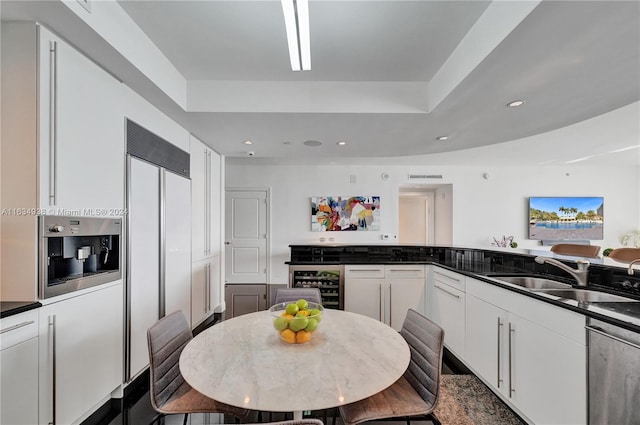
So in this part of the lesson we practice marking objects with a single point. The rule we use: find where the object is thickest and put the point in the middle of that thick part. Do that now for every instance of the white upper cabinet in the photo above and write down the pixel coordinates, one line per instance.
(64, 121)
(206, 197)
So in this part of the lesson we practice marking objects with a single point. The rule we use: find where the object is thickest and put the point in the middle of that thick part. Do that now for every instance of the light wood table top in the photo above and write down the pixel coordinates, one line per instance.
(242, 362)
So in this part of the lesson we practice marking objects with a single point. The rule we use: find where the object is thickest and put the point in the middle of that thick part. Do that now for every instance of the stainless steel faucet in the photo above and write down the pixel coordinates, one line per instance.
(630, 269)
(580, 274)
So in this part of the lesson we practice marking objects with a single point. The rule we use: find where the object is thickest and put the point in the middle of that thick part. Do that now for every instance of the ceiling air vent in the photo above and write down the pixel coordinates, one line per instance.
(424, 176)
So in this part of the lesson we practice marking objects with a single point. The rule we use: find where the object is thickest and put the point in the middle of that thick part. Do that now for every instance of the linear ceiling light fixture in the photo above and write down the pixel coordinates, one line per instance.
(296, 20)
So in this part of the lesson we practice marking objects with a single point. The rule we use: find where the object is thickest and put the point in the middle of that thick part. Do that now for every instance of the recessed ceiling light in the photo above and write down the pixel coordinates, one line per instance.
(515, 103)
(341, 143)
(312, 143)
(248, 142)
(441, 138)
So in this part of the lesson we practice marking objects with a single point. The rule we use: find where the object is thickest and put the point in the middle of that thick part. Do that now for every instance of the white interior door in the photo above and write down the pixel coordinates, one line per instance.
(246, 236)
(417, 218)
(144, 264)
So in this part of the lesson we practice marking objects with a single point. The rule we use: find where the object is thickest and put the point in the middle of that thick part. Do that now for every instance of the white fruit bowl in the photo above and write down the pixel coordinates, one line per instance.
(296, 325)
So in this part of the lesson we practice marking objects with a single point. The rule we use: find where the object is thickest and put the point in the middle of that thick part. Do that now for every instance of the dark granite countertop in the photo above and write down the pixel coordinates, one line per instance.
(9, 308)
(604, 274)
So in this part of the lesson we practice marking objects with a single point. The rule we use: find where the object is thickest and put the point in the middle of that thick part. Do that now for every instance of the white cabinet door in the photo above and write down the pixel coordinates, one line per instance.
(406, 290)
(199, 161)
(177, 248)
(81, 132)
(485, 341)
(144, 264)
(449, 313)
(19, 369)
(547, 381)
(365, 289)
(202, 279)
(81, 339)
(216, 203)
(364, 296)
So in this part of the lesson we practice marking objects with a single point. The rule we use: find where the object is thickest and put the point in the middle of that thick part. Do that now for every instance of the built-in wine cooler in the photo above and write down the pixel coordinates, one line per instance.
(329, 279)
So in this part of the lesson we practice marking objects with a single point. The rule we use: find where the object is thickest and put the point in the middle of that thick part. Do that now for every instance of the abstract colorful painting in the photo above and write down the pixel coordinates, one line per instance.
(336, 213)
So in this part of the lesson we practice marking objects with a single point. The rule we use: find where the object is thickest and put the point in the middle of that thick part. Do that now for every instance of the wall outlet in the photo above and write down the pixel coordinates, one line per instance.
(388, 237)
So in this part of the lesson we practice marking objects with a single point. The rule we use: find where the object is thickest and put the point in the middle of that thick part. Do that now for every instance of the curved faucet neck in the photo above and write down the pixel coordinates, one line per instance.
(580, 274)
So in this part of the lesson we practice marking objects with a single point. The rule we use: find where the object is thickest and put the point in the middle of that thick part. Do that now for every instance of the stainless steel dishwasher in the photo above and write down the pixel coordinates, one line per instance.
(614, 375)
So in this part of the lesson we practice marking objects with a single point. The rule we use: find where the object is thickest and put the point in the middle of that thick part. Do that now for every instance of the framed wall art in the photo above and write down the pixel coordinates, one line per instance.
(341, 213)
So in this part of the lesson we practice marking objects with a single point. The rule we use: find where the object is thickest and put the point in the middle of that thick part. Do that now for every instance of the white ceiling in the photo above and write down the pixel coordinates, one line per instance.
(377, 67)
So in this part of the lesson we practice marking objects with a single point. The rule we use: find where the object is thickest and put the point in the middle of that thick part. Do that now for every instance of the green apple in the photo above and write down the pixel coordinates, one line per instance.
(292, 309)
(298, 323)
(280, 323)
(312, 325)
(315, 313)
(302, 304)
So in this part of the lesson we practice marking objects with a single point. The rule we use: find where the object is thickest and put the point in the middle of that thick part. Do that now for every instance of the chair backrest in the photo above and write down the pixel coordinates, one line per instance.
(166, 339)
(425, 340)
(284, 295)
(625, 255)
(576, 249)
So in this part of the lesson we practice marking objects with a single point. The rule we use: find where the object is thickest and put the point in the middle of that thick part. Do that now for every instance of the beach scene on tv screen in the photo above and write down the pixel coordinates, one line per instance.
(570, 218)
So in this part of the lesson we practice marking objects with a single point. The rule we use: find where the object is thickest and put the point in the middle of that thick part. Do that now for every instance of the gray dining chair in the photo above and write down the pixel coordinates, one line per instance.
(415, 394)
(170, 393)
(284, 295)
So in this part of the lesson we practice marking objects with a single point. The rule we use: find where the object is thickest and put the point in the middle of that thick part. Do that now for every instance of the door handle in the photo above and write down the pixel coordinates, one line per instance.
(227, 243)
(500, 324)
(380, 306)
(52, 351)
(447, 292)
(511, 388)
(53, 124)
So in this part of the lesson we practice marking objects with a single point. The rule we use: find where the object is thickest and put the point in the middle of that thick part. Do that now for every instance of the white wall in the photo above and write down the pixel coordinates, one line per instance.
(481, 208)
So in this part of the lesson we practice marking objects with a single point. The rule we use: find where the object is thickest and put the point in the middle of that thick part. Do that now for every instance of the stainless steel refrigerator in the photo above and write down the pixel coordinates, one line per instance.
(158, 277)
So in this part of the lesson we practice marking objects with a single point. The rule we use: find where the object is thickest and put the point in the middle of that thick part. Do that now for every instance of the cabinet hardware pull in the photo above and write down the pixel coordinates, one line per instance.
(206, 206)
(52, 351)
(447, 276)
(405, 270)
(18, 326)
(208, 202)
(390, 303)
(511, 388)
(445, 291)
(364, 270)
(499, 344)
(601, 332)
(209, 290)
(380, 306)
(53, 122)
(206, 284)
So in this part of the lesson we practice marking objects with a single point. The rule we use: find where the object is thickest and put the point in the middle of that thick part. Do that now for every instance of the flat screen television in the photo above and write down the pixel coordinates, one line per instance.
(570, 218)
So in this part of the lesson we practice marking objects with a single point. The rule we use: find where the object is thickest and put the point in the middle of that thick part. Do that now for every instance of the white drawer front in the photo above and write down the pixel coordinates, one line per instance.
(18, 328)
(449, 278)
(404, 271)
(373, 271)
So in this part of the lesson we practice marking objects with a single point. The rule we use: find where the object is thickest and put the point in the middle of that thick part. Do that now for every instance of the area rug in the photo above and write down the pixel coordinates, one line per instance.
(465, 400)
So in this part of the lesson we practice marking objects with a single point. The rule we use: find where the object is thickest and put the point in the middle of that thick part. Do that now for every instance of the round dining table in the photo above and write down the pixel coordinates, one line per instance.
(243, 362)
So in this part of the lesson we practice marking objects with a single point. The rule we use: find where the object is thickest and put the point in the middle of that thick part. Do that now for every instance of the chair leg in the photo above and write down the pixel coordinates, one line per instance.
(186, 417)
(335, 414)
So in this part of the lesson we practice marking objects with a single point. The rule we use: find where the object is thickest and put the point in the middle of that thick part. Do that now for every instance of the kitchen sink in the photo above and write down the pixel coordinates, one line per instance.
(586, 295)
(531, 282)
